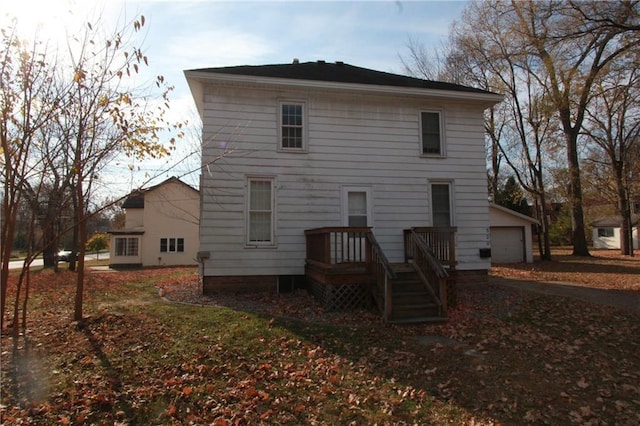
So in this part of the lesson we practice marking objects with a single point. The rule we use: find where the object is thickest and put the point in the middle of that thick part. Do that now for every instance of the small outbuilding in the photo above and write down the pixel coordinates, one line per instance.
(511, 235)
(606, 232)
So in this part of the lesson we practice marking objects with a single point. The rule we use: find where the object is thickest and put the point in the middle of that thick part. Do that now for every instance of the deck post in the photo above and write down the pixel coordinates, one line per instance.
(327, 247)
(443, 296)
(387, 298)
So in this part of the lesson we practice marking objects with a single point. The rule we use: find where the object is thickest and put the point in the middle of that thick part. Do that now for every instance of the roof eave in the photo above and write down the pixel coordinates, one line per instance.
(514, 213)
(195, 78)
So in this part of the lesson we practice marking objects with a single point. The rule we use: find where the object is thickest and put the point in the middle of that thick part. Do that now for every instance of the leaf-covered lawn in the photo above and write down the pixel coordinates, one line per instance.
(505, 357)
(605, 269)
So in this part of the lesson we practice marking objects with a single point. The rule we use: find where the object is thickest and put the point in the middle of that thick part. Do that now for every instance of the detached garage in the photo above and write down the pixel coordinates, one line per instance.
(511, 236)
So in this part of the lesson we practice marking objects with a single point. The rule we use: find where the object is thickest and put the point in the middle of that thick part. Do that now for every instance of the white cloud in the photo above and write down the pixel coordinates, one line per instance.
(218, 47)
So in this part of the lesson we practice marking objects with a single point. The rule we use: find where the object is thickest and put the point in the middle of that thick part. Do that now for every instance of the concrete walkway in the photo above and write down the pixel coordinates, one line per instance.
(623, 299)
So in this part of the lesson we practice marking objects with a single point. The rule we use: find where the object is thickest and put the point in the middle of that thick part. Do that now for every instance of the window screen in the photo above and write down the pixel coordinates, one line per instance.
(260, 211)
(431, 140)
(357, 209)
(441, 204)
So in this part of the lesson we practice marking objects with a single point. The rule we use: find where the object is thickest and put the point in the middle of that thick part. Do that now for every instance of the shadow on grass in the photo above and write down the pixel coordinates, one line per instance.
(593, 264)
(112, 375)
(623, 299)
(29, 379)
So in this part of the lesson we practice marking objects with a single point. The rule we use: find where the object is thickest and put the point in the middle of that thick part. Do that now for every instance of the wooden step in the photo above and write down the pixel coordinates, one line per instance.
(411, 301)
(419, 320)
(411, 297)
(402, 267)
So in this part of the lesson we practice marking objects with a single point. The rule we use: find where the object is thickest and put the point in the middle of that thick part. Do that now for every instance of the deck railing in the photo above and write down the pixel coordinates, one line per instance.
(382, 274)
(356, 249)
(337, 247)
(432, 274)
(440, 240)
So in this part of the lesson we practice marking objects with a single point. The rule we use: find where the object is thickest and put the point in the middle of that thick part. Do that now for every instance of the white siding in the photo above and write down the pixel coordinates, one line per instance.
(364, 141)
(170, 211)
(615, 241)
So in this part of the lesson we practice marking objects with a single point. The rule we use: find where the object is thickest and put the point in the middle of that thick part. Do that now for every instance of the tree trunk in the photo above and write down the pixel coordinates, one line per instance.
(575, 192)
(624, 209)
(544, 220)
(74, 240)
(8, 233)
(81, 225)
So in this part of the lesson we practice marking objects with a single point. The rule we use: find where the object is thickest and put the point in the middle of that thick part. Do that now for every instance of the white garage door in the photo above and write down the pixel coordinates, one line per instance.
(507, 245)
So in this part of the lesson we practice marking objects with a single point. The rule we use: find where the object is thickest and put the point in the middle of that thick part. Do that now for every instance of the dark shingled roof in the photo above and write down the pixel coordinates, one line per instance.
(338, 72)
(135, 200)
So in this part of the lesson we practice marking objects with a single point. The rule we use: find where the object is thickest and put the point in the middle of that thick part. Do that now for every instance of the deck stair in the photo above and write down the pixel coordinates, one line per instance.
(411, 302)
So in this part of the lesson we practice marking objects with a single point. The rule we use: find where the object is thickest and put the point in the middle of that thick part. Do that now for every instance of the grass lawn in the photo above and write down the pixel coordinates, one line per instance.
(505, 356)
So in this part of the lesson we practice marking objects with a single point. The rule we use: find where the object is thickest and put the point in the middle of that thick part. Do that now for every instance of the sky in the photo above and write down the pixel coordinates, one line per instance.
(181, 35)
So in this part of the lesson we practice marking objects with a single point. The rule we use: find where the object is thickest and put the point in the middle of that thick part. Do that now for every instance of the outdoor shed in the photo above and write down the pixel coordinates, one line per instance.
(606, 232)
(511, 236)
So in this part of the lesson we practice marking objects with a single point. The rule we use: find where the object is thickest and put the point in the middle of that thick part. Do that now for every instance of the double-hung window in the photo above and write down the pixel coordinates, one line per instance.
(260, 220)
(292, 126)
(126, 246)
(171, 245)
(431, 135)
(441, 210)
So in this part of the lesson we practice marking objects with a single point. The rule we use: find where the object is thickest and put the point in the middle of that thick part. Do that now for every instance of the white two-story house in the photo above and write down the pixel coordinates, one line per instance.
(161, 227)
(293, 149)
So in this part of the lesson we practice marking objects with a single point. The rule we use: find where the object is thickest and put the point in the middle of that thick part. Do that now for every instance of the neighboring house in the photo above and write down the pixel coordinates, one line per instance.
(606, 232)
(294, 150)
(161, 227)
(511, 236)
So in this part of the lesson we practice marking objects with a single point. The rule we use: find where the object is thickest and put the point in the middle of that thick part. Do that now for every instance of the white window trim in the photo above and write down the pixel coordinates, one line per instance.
(260, 244)
(305, 124)
(443, 139)
(127, 238)
(452, 197)
(169, 251)
(345, 203)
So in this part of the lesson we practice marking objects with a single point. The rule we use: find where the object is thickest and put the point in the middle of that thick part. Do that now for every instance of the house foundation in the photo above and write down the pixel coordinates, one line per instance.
(252, 284)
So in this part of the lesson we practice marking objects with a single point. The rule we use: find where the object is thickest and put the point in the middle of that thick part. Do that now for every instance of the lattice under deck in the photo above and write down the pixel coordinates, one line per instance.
(343, 297)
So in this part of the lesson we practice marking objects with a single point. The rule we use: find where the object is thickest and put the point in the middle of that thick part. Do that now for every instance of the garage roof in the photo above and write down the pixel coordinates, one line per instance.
(514, 213)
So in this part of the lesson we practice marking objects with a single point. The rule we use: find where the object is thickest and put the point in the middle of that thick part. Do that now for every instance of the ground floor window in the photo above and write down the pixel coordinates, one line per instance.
(260, 207)
(126, 246)
(171, 245)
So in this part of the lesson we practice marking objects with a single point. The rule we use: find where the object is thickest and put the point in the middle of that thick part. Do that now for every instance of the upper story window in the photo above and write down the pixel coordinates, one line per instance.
(432, 139)
(292, 126)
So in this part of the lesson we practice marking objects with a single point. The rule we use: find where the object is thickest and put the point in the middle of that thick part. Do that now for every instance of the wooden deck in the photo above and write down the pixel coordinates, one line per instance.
(347, 269)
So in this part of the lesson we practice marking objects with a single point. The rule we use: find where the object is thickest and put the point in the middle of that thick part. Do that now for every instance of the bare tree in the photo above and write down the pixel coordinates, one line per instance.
(569, 49)
(63, 122)
(613, 123)
(562, 49)
(27, 103)
(107, 114)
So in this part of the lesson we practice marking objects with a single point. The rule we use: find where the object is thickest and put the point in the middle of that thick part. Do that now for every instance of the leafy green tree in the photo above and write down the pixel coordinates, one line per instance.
(98, 242)
(512, 197)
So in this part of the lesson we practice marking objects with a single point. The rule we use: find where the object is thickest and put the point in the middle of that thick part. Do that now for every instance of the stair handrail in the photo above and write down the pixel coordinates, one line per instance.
(430, 267)
(382, 272)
